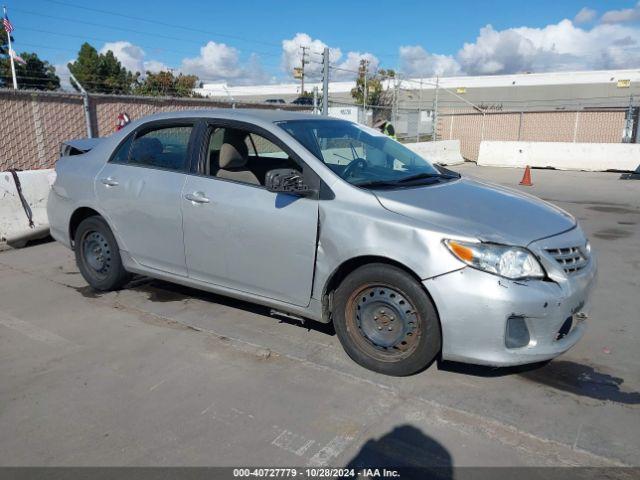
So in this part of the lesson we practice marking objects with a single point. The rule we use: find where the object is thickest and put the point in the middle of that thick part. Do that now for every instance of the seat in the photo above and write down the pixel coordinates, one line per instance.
(232, 163)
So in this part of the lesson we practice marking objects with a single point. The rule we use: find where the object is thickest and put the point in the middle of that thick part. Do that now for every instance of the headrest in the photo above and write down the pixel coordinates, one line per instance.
(145, 148)
(231, 158)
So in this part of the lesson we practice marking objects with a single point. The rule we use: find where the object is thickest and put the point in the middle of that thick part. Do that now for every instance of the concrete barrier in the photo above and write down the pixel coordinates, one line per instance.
(444, 152)
(14, 225)
(561, 155)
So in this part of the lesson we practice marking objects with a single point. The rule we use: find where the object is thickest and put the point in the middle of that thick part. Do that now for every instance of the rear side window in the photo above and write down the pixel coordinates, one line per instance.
(163, 147)
(122, 154)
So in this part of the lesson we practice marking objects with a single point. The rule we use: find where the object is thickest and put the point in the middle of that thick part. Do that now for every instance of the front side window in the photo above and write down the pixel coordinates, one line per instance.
(162, 147)
(243, 156)
(363, 156)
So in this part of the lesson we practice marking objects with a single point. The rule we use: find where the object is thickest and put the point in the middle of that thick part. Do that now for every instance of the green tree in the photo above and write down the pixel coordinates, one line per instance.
(101, 72)
(36, 74)
(377, 94)
(167, 84)
(4, 45)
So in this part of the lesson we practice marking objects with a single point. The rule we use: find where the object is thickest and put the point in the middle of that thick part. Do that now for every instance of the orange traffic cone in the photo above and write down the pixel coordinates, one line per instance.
(526, 178)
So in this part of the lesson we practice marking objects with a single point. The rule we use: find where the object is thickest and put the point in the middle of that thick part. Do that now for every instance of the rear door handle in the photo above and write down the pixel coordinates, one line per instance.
(196, 197)
(109, 182)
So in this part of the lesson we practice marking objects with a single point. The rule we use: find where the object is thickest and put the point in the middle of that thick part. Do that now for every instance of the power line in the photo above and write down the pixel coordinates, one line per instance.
(106, 40)
(128, 30)
(164, 24)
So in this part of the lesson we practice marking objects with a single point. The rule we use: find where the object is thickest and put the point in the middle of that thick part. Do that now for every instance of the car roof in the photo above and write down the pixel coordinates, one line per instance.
(246, 114)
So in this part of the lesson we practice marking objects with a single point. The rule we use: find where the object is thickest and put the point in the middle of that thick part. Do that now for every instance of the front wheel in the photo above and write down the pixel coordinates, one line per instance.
(98, 255)
(385, 320)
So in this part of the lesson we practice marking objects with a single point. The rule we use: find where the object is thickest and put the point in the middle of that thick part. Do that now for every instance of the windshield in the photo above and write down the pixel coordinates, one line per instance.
(361, 155)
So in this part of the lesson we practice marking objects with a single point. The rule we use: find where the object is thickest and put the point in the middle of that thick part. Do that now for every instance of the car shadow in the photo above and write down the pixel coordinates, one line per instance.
(407, 450)
(576, 378)
(160, 291)
(31, 242)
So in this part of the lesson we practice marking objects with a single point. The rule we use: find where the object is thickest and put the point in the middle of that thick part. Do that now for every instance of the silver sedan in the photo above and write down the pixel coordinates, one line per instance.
(324, 219)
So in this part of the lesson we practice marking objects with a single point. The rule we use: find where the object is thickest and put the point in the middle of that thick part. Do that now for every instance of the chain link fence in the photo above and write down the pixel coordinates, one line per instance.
(35, 123)
(526, 122)
(602, 125)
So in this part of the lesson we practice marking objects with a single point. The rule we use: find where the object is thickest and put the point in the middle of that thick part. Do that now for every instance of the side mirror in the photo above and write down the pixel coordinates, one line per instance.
(287, 180)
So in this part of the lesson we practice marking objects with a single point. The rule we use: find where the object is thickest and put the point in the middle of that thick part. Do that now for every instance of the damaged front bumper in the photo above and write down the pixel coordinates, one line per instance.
(490, 320)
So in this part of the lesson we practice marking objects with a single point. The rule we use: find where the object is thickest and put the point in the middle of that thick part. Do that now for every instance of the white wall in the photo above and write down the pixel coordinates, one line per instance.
(35, 187)
(444, 152)
(561, 155)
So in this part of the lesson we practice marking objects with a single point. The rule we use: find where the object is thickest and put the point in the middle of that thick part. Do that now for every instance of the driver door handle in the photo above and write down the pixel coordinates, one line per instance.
(109, 182)
(196, 197)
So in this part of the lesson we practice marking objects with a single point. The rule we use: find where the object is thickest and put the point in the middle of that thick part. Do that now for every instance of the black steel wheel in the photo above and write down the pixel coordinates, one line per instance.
(96, 253)
(386, 321)
(98, 256)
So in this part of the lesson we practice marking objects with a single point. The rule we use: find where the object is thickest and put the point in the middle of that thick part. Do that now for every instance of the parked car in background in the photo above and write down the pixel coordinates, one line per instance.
(274, 100)
(327, 220)
(303, 101)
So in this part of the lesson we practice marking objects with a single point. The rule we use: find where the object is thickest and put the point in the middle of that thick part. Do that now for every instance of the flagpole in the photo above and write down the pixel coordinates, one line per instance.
(13, 66)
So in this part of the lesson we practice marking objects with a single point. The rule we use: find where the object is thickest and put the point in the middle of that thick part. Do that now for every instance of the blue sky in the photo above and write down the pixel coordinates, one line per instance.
(242, 41)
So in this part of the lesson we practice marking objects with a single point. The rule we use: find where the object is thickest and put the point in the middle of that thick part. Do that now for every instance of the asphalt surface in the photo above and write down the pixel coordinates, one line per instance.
(158, 374)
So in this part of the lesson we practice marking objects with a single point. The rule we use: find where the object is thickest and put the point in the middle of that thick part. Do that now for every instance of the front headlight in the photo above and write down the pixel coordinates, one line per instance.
(510, 262)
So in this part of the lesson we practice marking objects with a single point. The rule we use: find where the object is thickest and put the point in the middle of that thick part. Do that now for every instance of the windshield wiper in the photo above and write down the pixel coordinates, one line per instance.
(377, 183)
(402, 181)
(420, 176)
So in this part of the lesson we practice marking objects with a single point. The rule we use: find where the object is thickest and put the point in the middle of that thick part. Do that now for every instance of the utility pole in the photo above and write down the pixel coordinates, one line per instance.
(435, 111)
(304, 62)
(315, 100)
(628, 129)
(365, 71)
(394, 106)
(419, 112)
(13, 65)
(325, 81)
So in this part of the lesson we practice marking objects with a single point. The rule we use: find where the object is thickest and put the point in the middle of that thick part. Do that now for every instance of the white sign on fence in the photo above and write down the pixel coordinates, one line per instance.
(345, 113)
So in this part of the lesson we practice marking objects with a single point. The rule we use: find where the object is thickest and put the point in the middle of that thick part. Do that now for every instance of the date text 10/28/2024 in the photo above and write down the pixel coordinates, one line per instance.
(315, 473)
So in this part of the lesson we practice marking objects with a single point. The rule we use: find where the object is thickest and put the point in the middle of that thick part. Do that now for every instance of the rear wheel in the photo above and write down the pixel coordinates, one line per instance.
(98, 256)
(385, 320)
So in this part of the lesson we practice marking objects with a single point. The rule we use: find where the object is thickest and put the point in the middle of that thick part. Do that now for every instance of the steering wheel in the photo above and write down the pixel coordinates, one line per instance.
(355, 164)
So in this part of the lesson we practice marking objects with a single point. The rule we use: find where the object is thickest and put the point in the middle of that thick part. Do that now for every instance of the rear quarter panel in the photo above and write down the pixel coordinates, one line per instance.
(74, 188)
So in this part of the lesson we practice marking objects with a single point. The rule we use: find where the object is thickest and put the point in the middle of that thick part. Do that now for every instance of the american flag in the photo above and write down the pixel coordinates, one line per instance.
(7, 24)
(17, 57)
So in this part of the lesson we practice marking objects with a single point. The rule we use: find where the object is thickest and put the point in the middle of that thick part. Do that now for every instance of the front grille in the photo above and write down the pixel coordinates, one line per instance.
(571, 259)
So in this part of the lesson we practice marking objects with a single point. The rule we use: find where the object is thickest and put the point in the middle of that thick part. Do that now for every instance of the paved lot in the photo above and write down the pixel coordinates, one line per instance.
(161, 374)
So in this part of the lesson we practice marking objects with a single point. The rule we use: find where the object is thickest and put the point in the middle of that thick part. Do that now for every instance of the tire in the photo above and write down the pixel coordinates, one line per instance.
(98, 255)
(397, 332)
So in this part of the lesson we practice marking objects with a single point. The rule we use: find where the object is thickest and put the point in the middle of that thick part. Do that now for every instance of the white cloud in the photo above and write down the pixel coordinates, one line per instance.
(132, 57)
(610, 43)
(292, 55)
(346, 66)
(561, 46)
(155, 66)
(626, 15)
(416, 61)
(347, 69)
(220, 62)
(585, 15)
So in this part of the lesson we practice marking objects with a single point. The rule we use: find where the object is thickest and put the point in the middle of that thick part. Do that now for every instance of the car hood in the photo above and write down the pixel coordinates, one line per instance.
(475, 208)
